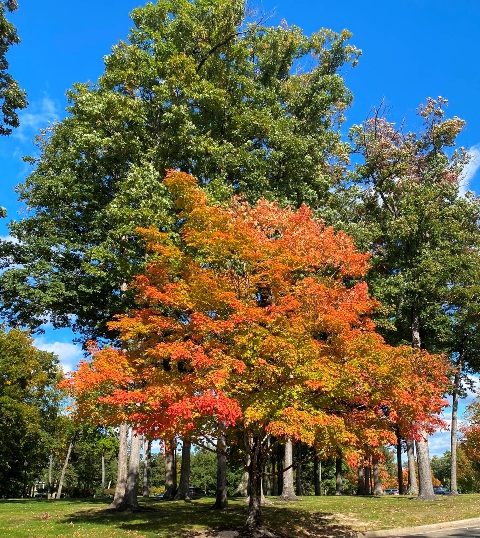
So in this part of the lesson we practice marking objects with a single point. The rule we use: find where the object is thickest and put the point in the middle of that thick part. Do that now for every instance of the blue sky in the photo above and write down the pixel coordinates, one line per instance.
(412, 49)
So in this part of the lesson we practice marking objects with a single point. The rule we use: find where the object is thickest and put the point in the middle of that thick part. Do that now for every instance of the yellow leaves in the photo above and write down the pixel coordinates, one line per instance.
(249, 315)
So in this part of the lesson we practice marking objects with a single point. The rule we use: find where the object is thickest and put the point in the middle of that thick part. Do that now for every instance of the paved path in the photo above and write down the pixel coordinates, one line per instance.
(468, 528)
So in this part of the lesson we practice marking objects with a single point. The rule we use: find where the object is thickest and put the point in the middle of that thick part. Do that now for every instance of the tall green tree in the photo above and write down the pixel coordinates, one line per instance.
(246, 108)
(12, 98)
(29, 404)
(422, 234)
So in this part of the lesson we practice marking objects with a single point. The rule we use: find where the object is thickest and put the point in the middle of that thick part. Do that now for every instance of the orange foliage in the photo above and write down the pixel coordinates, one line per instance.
(257, 316)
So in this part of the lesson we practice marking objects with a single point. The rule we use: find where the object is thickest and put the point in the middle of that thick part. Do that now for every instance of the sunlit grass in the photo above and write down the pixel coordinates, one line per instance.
(309, 517)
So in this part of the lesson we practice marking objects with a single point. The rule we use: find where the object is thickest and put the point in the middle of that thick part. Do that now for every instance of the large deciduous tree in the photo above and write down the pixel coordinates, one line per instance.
(423, 236)
(254, 317)
(245, 107)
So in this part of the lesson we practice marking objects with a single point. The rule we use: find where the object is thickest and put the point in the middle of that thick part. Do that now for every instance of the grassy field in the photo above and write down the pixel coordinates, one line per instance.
(310, 517)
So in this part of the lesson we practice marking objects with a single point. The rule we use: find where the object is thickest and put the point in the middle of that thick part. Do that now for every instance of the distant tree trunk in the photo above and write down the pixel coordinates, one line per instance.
(64, 469)
(298, 475)
(147, 466)
(170, 471)
(412, 474)
(288, 491)
(272, 482)
(317, 475)
(269, 470)
(130, 499)
(103, 472)
(50, 483)
(454, 427)
(368, 480)
(184, 483)
(338, 475)
(121, 468)
(361, 486)
(280, 455)
(401, 487)
(242, 489)
(221, 499)
(425, 485)
(377, 480)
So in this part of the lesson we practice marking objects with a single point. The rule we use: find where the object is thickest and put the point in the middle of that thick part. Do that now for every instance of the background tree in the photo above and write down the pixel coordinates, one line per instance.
(29, 404)
(419, 230)
(12, 98)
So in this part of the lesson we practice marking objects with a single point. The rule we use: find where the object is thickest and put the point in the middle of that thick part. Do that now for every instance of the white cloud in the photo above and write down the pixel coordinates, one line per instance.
(439, 443)
(68, 353)
(37, 116)
(471, 169)
(8, 238)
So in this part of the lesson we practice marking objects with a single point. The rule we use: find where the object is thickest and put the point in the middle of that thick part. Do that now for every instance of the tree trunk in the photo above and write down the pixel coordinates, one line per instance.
(401, 487)
(425, 485)
(412, 474)
(338, 475)
(130, 499)
(170, 471)
(242, 489)
(361, 486)
(288, 491)
(317, 475)
(221, 499)
(269, 470)
(254, 524)
(368, 480)
(147, 466)
(64, 469)
(50, 483)
(377, 480)
(280, 455)
(454, 427)
(103, 472)
(121, 468)
(184, 484)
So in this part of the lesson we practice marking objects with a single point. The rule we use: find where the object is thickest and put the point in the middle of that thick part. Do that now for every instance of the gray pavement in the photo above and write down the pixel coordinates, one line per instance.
(467, 528)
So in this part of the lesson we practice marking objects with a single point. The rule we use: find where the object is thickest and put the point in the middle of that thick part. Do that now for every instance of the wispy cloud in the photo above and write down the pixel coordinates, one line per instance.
(471, 169)
(68, 353)
(38, 115)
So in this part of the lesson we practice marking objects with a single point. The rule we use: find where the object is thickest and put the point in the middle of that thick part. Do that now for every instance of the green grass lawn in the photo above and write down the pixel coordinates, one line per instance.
(310, 517)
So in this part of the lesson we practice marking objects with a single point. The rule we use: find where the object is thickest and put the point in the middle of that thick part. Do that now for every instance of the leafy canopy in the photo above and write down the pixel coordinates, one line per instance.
(245, 107)
(255, 316)
(29, 403)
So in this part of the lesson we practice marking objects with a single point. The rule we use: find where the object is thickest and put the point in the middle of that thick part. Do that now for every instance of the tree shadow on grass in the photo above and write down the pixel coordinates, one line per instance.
(173, 518)
(292, 522)
(179, 519)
